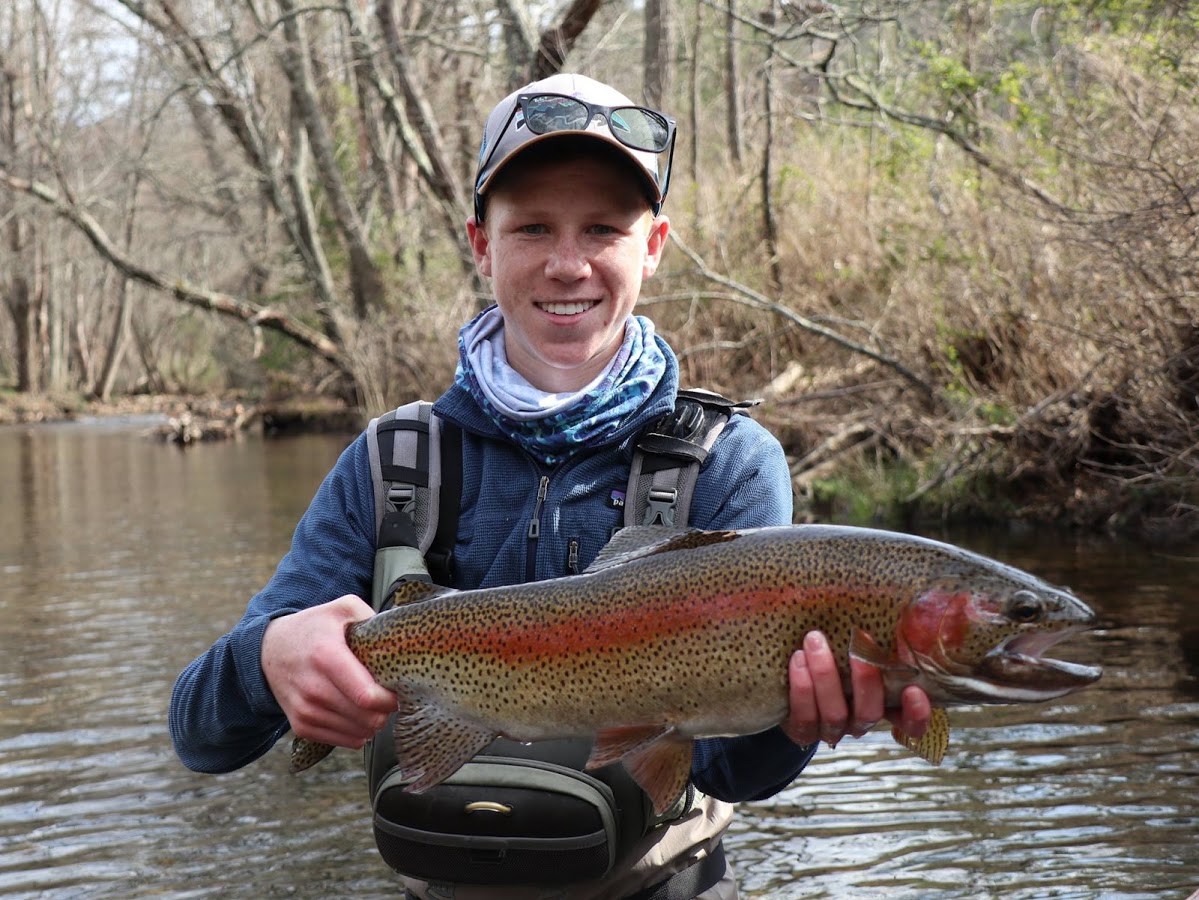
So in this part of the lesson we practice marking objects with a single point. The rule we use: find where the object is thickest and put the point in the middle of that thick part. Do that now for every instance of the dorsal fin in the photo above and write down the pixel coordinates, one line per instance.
(640, 541)
(416, 591)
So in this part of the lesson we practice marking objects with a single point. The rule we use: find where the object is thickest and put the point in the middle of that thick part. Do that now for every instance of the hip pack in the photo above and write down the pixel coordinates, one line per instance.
(516, 814)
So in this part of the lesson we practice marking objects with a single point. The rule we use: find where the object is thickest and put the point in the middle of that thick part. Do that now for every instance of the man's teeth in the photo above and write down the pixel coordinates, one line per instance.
(568, 309)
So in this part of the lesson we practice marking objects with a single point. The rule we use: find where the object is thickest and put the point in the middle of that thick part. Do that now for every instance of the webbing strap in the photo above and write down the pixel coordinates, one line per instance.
(691, 882)
(669, 456)
(418, 474)
(440, 556)
(665, 451)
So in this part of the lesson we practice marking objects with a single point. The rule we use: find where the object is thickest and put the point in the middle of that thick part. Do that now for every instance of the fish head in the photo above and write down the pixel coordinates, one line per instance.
(982, 638)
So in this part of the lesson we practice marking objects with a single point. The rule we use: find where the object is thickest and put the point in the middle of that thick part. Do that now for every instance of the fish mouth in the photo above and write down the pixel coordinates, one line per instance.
(1020, 670)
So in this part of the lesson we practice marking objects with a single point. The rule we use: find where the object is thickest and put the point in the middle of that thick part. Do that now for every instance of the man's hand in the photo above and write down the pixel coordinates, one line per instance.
(326, 693)
(820, 710)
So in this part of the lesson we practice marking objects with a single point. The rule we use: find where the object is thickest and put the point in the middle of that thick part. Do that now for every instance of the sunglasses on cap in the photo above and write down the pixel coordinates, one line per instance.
(637, 127)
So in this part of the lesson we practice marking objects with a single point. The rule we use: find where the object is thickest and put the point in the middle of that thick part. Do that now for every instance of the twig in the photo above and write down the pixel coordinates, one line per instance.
(266, 317)
(747, 296)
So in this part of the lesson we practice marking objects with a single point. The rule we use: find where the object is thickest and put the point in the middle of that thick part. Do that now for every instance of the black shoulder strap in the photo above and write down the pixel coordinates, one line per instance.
(440, 555)
(669, 455)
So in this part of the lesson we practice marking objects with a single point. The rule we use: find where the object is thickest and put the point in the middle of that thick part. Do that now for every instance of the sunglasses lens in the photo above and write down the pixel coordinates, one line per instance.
(639, 128)
(554, 113)
(634, 126)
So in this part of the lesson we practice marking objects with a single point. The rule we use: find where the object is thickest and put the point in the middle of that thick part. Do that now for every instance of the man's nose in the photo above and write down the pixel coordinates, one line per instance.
(567, 261)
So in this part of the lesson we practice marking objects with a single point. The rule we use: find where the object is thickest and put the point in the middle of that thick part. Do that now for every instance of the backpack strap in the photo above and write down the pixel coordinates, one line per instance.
(416, 469)
(440, 555)
(669, 455)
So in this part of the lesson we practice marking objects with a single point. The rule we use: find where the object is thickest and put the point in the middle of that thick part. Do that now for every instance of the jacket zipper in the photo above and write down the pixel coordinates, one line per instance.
(534, 531)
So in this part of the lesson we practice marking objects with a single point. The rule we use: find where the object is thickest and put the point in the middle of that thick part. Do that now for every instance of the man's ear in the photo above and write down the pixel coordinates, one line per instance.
(655, 244)
(480, 246)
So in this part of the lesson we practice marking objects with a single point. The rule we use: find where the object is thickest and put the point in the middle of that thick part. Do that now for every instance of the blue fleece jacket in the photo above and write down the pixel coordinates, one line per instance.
(223, 714)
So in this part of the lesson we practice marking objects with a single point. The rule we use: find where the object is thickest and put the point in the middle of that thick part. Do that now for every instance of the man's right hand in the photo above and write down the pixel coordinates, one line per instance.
(326, 693)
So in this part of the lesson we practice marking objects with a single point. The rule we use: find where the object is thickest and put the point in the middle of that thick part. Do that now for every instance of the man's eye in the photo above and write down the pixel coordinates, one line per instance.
(532, 229)
(602, 229)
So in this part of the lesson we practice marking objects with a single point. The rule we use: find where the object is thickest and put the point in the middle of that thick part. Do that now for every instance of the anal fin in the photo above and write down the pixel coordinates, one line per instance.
(613, 744)
(661, 766)
(933, 743)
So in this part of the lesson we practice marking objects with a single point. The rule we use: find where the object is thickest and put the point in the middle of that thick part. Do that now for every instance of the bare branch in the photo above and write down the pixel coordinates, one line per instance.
(872, 102)
(746, 296)
(215, 301)
(558, 40)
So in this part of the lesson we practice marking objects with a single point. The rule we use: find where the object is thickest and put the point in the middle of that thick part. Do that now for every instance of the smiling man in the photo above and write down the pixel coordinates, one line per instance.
(554, 386)
(566, 275)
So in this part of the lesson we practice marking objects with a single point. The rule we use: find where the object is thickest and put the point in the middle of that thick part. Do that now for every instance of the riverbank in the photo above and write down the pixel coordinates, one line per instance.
(858, 486)
(187, 419)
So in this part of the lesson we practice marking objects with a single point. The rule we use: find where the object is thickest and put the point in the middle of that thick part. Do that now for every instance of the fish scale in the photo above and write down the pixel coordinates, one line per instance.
(675, 635)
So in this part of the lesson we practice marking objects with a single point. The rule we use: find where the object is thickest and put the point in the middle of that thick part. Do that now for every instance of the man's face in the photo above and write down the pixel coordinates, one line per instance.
(566, 245)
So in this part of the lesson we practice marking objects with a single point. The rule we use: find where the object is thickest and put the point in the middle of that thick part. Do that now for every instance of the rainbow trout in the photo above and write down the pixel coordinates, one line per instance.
(675, 635)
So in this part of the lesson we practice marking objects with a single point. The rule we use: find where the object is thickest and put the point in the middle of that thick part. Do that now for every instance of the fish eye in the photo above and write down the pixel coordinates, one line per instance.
(1025, 606)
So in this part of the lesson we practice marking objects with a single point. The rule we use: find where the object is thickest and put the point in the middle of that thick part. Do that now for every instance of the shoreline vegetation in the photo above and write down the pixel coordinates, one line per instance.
(182, 419)
(855, 475)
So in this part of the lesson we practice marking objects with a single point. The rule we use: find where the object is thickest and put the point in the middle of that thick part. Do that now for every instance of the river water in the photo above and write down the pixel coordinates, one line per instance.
(121, 559)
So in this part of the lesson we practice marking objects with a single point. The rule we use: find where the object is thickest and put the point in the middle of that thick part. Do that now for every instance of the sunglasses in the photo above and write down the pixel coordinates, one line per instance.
(637, 127)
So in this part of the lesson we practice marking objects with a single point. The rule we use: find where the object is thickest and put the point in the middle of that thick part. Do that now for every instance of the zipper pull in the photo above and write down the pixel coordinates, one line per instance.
(535, 522)
(572, 557)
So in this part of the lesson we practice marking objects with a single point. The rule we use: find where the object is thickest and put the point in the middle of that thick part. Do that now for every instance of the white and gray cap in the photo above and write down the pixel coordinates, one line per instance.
(507, 133)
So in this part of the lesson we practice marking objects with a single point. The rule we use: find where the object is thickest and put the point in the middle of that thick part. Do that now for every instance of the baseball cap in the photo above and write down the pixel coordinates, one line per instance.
(544, 109)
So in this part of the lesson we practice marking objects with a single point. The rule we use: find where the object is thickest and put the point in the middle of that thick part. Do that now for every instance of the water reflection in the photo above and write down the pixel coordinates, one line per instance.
(121, 559)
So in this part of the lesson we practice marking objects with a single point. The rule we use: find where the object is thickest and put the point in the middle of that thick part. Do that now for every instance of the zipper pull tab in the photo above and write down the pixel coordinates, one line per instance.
(535, 522)
(572, 557)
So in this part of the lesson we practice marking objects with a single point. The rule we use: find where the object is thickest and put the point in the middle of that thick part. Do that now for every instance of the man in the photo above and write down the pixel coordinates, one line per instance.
(554, 383)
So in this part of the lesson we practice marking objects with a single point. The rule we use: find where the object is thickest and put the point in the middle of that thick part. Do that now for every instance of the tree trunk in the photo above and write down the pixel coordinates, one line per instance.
(732, 84)
(366, 283)
(118, 342)
(694, 99)
(658, 55)
(558, 40)
(769, 223)
(56, 332)
(25, 319)
(520, 40)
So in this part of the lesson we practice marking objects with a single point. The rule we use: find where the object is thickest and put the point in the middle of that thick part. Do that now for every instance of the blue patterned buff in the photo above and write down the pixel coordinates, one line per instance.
(552, 426)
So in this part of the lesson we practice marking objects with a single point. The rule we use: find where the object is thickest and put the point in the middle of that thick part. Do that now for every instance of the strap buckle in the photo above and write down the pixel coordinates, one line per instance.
(660, 506)
(402, 497)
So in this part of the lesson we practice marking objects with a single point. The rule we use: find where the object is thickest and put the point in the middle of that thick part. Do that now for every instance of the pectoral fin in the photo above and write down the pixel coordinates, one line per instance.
(432, 743)
(932, 745)
(862, 646)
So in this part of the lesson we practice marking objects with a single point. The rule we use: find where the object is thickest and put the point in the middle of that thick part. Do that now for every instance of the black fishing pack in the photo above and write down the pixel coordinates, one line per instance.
(516, 813)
